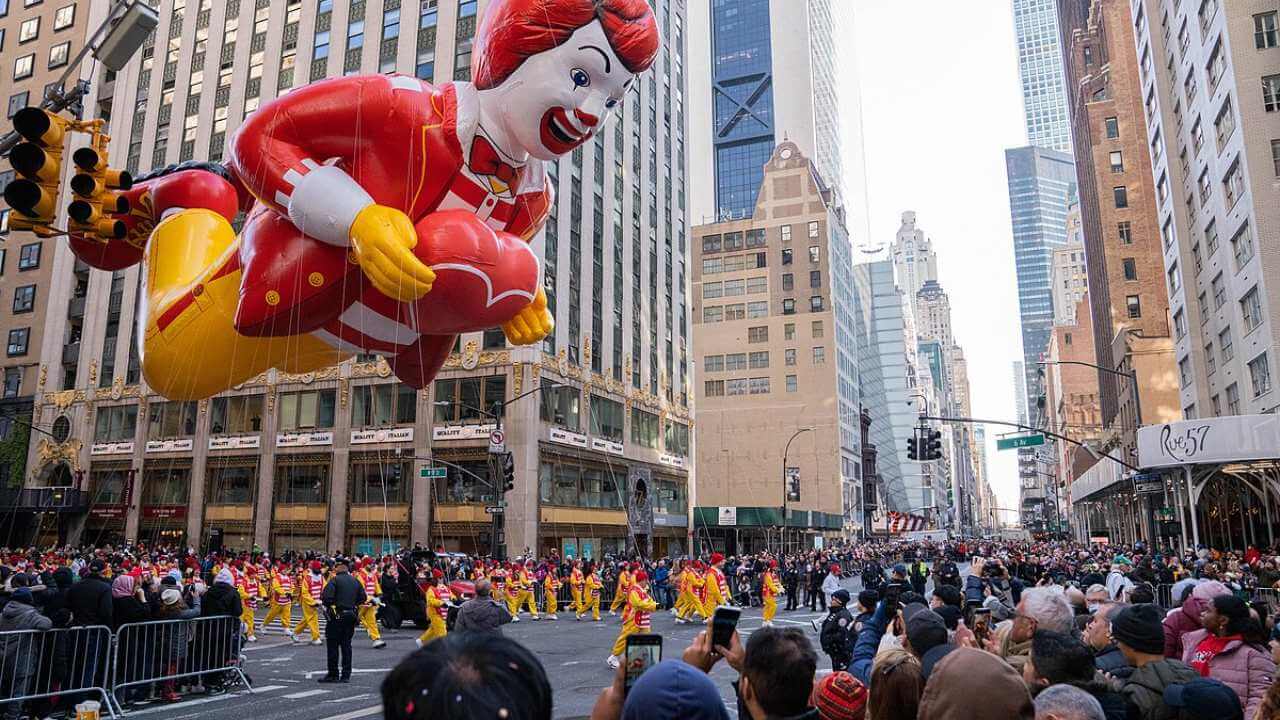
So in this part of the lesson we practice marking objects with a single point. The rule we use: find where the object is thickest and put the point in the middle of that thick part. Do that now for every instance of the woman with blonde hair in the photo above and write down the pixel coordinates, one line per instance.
(896, 686)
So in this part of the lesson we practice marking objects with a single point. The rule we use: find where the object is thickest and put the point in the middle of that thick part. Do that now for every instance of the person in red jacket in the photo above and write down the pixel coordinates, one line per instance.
(385, 215)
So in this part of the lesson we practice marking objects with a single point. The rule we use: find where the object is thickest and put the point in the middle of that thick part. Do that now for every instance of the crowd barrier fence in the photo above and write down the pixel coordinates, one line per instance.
(41, 665)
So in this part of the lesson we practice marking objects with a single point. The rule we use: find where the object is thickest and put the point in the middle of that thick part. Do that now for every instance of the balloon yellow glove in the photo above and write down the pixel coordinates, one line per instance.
(383, 239)
(531, 324)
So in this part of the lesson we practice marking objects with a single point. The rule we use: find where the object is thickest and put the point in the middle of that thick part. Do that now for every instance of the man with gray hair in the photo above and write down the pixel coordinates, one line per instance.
(1066, 702)
(1040, 608)
(482, 613)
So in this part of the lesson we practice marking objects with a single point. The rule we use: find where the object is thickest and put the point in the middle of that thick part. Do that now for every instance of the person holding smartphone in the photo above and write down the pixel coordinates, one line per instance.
(636, 616)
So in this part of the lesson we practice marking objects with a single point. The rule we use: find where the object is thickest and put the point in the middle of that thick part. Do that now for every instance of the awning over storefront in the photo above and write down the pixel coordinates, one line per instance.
(1220, 440)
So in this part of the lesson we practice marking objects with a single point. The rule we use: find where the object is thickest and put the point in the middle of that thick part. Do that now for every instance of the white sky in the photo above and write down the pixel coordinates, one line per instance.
(940, 103)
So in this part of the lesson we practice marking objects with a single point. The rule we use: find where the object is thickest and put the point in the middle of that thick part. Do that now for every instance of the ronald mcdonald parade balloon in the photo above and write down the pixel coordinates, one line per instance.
(382, 214)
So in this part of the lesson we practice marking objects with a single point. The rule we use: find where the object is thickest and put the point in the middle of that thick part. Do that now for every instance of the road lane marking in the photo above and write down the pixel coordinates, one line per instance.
(174, 707)
(269, 688)
(304, 694)
(349, 698)
(363, 712)
(314, 673)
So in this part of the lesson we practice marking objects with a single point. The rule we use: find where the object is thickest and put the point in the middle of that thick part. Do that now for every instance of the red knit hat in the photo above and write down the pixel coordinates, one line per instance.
(316, 565)
(716, 558)
(840, 696)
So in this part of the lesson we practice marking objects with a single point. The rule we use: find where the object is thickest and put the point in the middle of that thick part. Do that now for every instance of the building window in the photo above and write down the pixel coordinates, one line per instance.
(310, 410)
(1175, 278)
(814, 254)
(712, 290)
(789, 306)
(1216, 403)
(819, 355)
(24, 66)
(1113, 127)
(1211, 237)
(758, 309)
(237, 414)
(1233, 184)
(758, 334)
(560, 405)
(1134, 306)
(735, 361)
(1121, 195)
(1251, 309)
(1264, 30)
(1117, 161)
(757, 285)
(171, 419)
(758, 360)
(789, 331)
(1271, 93)
(734, 288)
(320, 49)
(1219, 287)
(607, 418)
(12, 382)
(1233, 399)
(299, 484)
(1179, 324)
(813, 228)
(713, 363)
(786, 233)
(1260, 374)
(789, 357)
(29, 30)
(384, 404)
(644, 428)
(1242, 246)
(786, 256)
(713, 388)
(1125, 231)
(24, 299)
(66, 16)
(736, 311)
(815, 278)
(713, 314)
(1275, 157)
(29, 256)
(711, 243)
(116, 423)
(816, 329)
(758, 386)
(1184, 372)
(792, 384)
(58, 54)
(737, 386)
(815, 303)
(17, 101)
(788, 282)
(1130, 268)
(1225, 347)
(1224, 125)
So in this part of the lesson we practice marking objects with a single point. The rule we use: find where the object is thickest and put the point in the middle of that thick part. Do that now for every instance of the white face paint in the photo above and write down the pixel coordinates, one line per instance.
(556, 100)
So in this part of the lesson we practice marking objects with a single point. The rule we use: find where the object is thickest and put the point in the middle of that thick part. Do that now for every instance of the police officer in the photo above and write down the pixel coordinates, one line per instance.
(836, 634)
(341, 599)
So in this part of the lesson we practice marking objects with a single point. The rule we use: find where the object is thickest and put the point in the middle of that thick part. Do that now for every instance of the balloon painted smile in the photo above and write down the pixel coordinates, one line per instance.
(558, 132)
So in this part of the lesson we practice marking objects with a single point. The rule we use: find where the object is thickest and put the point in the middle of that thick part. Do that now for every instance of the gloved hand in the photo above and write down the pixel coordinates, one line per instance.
(383, 239)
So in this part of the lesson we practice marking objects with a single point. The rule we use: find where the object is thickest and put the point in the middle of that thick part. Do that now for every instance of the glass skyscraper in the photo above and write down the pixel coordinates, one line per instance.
(742, 73)
(1044, 98)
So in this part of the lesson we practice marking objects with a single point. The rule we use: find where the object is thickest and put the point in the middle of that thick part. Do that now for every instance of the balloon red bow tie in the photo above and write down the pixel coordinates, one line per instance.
(486, 161)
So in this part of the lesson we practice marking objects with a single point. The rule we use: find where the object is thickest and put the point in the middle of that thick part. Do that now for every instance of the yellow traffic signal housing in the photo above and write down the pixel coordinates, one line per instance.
(38, 164)
(95, 202)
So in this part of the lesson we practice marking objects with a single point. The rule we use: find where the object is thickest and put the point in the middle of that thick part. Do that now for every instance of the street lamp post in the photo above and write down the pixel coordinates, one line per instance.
(782, 522)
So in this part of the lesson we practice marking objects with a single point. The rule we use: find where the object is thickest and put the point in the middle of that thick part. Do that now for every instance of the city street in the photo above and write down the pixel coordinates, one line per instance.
(573, 653)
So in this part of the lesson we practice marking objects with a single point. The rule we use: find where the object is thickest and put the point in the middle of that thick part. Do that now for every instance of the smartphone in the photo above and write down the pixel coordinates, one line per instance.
(724, 621)
(981, 624)
(643, 652)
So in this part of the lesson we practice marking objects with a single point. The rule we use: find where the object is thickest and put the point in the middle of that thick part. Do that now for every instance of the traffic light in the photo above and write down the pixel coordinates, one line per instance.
(933, 447)
(90, 213)
(913, 448)
(38, 164)
(508, 473)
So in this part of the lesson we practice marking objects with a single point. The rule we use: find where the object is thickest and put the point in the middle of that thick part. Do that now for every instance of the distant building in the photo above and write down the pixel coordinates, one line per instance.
(777, 358)
(1070, 282)
(1044, 101)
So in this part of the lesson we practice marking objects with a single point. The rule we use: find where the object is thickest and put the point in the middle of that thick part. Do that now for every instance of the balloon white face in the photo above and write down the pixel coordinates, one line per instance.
(556, 100)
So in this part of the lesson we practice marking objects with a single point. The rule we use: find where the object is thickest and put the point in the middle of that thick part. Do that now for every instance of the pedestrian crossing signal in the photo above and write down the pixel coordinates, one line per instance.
(37, 161)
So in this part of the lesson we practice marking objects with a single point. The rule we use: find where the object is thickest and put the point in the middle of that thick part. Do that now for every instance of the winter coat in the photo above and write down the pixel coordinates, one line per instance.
(1112, 702)
(19, 653)
(221, 600)
(1245, 669)
(1179, 623)
(836, 635)
(90, 602)
(128, 610)
(1112, 662)
(482, 615)
(1144, 690)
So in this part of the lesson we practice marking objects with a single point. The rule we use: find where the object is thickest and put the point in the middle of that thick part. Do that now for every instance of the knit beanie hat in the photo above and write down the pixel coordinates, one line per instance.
(840, 696)
(674, 689)
(1140, 627)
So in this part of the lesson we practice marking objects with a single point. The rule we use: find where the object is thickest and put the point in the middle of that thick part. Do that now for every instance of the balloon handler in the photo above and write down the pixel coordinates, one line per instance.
(382, 214)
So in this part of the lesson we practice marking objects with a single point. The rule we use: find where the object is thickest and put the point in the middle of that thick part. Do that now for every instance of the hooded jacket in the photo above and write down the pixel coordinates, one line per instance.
(222, 600)
(1144, 690)
(1113, 662)
(1247, 670)
(949, 693)
(1187, 618)
(90, 601)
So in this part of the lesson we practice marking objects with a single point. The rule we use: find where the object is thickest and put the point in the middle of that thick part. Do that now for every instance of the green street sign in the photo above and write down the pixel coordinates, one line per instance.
(434, 472)
(1020, 441)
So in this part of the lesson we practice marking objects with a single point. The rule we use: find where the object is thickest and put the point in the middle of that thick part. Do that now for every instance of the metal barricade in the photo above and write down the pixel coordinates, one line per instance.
(1164, 596)
(55, 667)
(1271, 596)
(166, 651)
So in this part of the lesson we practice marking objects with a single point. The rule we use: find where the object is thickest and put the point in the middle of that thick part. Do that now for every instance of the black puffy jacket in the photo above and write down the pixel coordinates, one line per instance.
(222, 600)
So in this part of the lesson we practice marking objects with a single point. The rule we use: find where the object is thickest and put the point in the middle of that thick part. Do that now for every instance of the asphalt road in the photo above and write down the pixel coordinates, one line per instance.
(284, 674)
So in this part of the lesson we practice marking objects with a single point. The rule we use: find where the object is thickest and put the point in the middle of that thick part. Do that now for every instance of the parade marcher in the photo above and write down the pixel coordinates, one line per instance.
(636, 615)
(526, 590)
(439, 598)
(717, 588)
(769, 589)
(341, 598)
(577, 588)
(247, 586)
(621, 590)
(551, 589)
(591, 600)
(281, 600)
(367, 576)
(312, 584)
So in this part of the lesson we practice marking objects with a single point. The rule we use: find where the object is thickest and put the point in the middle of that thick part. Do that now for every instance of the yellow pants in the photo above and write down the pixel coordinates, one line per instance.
(551, 603)
(310, 620)
(436, 629)
(619, 599)
(594, 606)
(246, 617)
(524, 598)
(369, 619)
(628, 628)
(770, 609)
(578, 605)
(687, 606)
(281, 611)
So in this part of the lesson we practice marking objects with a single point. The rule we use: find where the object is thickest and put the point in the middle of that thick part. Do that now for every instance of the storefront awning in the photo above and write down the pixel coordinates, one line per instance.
(1221, 440)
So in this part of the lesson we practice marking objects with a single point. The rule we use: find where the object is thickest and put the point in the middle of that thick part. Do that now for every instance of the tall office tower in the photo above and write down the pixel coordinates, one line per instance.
(1210, 76)
(770, 71)
(37, 43)
(1020, 391)
(1040, 183)
(914, 259)
(891, 373)
(340, 458)
(1118, 199)
(1044, 99)
(774, 327)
